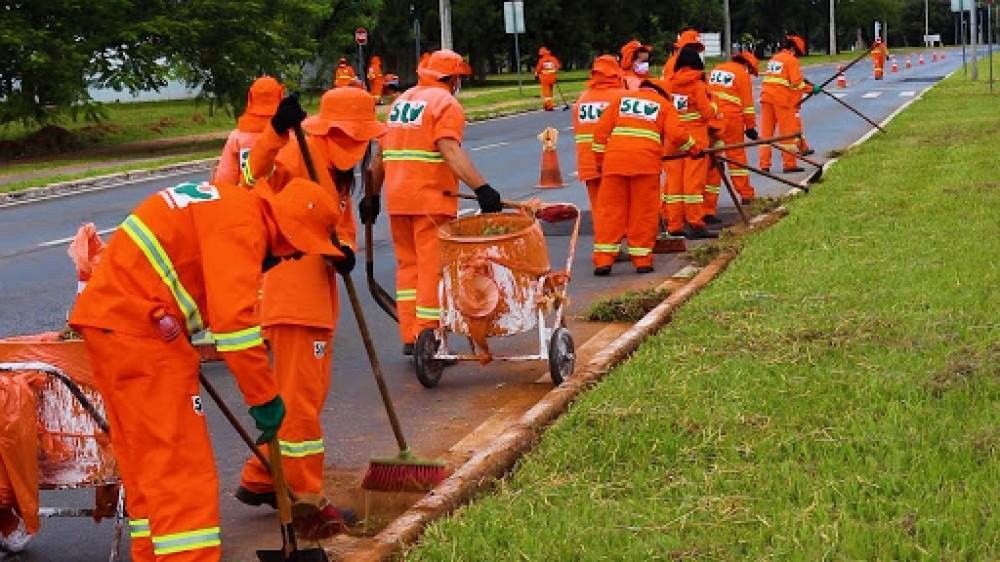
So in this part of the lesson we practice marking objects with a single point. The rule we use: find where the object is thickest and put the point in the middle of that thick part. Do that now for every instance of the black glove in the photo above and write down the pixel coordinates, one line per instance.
(752, 134)
(289, 114)
(489, 199)
(345, 265)
(369, 207)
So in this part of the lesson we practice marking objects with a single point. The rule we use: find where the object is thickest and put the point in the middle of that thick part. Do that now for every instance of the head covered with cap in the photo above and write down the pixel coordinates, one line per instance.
(796, 43)
(605, 73)
(442, 65)
(630, 53)
(347, 122)
(749, 59)
(300, 218)
(689, 36)
(262, 103)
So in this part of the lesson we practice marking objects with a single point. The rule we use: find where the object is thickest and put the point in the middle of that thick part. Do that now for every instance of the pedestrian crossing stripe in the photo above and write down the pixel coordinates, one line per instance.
(872, 95)
(908, 94)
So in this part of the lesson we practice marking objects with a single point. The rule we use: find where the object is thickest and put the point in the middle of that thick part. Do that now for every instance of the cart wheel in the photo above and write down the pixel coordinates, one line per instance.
(562, 356)
(428, 369)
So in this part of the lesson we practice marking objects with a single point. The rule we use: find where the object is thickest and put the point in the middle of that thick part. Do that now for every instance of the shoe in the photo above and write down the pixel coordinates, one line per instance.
(255, 499)
(602, 271)
(408, 349)
(698, 233)
(676, 233)
(644, 269)
(746, 200)
(808, 152)
(712, 219)
(793, 170)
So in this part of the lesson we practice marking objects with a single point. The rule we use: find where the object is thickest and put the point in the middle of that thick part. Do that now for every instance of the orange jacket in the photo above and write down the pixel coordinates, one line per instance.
(668, 67)
(634, 132)
(731, 87)
(300, 292)
(343, 75)
(783, 82)
(234, 154)
(416, 175)
(879, 54)
(547, 68)
(195, 252)
(588, 110)
(690, 96)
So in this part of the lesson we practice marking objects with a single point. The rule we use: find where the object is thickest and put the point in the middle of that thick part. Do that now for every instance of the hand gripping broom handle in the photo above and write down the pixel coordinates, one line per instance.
(382, 298)
(834, 77)
(359, 315)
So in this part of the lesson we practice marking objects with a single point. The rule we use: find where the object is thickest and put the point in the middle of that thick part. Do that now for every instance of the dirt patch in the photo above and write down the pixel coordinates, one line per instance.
(50, 139)
(627, 307)
(962, 366)
(727, 242)
(762, 205)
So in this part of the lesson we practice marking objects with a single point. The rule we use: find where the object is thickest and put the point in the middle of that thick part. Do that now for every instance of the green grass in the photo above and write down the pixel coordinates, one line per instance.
(626, 307)
(835, 395)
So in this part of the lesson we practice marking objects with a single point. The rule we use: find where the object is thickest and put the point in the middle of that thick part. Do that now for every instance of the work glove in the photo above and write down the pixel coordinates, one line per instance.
(289, 114)
(489, 199)
(271, 260)
(368, 208)
(346, 264)
(815, 89)
(267, 417)
(752, 134)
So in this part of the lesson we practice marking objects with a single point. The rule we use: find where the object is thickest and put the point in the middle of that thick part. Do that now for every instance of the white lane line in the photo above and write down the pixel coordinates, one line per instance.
(872, 95)
(840, 94)
(69, 239)
(908, 94)
(488, 146)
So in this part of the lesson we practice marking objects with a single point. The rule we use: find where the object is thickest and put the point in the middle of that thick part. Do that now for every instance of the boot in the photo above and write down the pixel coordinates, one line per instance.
(255, 499)
(793, 170)
(602, 271)
(698, 233)
(746, 200)
(712, 219)
(644, 269)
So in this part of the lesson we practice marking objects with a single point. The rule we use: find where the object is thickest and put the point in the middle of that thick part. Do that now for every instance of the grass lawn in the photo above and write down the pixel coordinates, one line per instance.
(834, 395)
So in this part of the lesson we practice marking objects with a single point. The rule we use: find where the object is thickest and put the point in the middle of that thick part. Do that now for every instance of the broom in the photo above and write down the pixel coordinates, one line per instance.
(405, 471)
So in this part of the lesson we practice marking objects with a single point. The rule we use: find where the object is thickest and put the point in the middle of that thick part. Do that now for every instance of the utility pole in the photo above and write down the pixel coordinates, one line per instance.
(927, 23)
(833, 27)
(728, 31)
(416, 35)
(444, 6)
(974, 37)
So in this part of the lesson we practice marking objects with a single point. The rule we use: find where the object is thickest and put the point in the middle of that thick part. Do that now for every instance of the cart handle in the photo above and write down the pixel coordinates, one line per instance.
(575, 211)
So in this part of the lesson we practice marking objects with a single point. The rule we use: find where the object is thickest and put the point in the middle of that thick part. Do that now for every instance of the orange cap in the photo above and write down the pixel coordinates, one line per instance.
(799, 43)
(605, 69)
(342, 61)
(542, 51)
(444, 63)
(347, 118)
(690, 37)
(629, 51)
(306, 215)
(750, 59)
(264, 96)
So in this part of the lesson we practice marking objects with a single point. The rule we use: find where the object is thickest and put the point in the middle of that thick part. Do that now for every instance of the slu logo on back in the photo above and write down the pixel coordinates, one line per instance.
(640, 108)
(408, 113)
(182, 195)
(775, 67)
(681, 103)
(591, 112)
(722, 78)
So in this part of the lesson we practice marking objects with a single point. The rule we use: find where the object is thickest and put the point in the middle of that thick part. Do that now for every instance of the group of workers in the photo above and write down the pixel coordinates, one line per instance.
(379, 83)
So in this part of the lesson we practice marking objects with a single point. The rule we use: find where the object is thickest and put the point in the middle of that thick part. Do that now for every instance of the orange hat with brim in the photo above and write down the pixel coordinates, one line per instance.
(799, 42)
(750, 59)
(350, 111)
(690, 37)
(306, 215)
(264, 96)
(605, 70)
(444, 62)
(629, 51)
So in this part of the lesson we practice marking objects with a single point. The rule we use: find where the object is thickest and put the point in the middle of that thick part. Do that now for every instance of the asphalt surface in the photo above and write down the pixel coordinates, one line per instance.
(37, 284)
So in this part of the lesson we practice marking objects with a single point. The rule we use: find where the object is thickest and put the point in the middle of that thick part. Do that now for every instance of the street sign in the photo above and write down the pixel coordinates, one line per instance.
(712, 43)
(513, 17)
(961, 5)
(361, 36)
(931, 39)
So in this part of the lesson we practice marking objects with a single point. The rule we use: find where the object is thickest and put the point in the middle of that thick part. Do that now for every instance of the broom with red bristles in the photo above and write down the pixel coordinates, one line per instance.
(405, 472)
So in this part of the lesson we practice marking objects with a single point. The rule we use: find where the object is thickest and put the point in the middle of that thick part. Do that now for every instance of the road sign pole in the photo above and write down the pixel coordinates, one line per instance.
(974, 38)
(517, 59)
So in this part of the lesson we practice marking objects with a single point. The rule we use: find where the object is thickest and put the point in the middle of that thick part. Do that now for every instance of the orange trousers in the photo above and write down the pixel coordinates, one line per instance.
(548, 103)
(376, 86)
(418, 273)
(732, 133)
(626, 208)
(592, 191)
(684, 189)
(302, 357)
(787, 121)
(161, 444)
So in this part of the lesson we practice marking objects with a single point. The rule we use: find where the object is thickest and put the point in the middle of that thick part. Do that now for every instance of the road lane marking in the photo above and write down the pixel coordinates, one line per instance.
(908, 94)
(840, 94)
(69, 239)
(488, 146)
(872, 95)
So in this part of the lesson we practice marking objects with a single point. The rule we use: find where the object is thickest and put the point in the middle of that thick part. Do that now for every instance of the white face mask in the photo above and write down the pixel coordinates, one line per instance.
(641, 67)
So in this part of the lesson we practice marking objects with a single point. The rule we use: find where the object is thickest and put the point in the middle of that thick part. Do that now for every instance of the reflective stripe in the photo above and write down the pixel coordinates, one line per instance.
(598, 147)
(247, 174)
(428, 313)
(190, 540)
(713, 189)
(138, 528)
(728, 97)
(749, 110)
(693, 199)
(672, 198)
(240, 339)
(406, 294)
(158, 258)
(639, 252)
(690, 116)
(687, 146)
(584, 138)
(635, 132)
(607, 248)
(301, 449)
(412, 156)
(739, 172)
(777, 80)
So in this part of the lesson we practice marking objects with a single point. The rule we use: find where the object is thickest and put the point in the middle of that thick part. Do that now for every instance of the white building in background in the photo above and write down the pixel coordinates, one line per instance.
(174, 90)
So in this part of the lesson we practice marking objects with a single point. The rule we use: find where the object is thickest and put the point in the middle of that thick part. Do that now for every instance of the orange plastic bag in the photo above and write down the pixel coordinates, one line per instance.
(85, 250)
(19, 451)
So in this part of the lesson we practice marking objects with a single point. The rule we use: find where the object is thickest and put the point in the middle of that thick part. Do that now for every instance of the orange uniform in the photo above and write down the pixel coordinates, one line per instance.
(684, 190)
(375, 78)
(604, 90)
(686, 37)
(547, 71)
(731, 87)
(344, 74)
(191, 252)
(300, 307)
(879, 54)
(416, 177)
(634, 70)
(629, 142)
(262, 101)
(782, 88)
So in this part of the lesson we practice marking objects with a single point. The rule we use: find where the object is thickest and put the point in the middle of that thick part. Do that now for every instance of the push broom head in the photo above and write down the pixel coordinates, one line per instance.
(403, 473)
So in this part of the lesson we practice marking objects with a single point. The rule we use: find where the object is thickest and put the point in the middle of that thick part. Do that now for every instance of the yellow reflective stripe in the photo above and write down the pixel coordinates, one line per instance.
(687, 146)
(639, 252)
(158, 258)
(739, 172)
(693, 198)
(749, 110)
(299, 449)
(189, 540)
(138, 528)
(672, 198)
(713, 189)
(408, 155)
(690, 116)
(428, 313)
(406, 294)
(584, 138)
(776, 80)
(635, 132)
(239, 340)
(247, 174)
(607, 248)
(727, 97)
(598, 147)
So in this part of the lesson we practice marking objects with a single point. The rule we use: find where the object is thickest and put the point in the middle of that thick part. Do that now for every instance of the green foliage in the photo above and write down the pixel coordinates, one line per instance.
(626, 307)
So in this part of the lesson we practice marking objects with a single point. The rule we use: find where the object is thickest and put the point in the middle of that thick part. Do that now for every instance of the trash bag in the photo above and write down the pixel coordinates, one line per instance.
(85, 250)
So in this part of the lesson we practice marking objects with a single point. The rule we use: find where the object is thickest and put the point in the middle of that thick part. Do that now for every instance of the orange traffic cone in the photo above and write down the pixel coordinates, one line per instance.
(894, 67)
(841, 79)
(909, 63)
(921, 59)
(933, 57)
(551, 176)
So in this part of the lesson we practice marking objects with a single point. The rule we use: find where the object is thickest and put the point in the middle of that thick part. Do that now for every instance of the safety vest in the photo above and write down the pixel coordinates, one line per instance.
(631, 134)
(730, 86)
(783, 82)
(587, 112)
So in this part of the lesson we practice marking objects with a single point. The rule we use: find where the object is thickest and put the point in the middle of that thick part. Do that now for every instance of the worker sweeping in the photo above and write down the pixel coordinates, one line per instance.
(299, 309)
(547, 71)
(688, 35)
(731, 87)
(422, 159)
(603, 90)
(186, 258)
(262, 101)
(635, 61)
(344, 74)
(780, 92)
(634, 133)
(879, 54)
(684, 192)
(376, 80)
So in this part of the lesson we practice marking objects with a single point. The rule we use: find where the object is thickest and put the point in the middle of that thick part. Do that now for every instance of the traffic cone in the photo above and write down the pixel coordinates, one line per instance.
(933, 57)
(920, 61)
(551, 176)
(841, 79)
(909, 63)
(895, 66)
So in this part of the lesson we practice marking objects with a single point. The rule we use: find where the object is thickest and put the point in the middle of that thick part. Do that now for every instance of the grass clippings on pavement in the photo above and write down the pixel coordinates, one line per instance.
(629, 306)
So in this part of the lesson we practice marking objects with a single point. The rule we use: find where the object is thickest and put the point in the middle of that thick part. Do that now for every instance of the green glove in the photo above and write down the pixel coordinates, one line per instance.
(268, 418)
(816, 89)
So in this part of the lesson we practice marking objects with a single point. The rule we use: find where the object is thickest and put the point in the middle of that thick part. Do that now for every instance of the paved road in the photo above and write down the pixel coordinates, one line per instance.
(37, 284)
